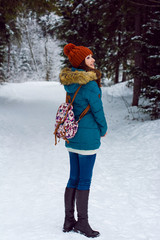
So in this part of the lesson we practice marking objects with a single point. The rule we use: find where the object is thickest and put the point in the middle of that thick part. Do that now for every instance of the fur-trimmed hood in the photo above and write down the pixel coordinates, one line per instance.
(67, 76)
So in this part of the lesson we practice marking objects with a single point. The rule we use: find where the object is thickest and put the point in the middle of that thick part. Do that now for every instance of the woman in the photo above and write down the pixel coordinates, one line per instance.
(83, 147)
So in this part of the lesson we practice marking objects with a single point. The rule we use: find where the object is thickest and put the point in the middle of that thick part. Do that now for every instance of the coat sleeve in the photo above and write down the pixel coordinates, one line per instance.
(92, 94)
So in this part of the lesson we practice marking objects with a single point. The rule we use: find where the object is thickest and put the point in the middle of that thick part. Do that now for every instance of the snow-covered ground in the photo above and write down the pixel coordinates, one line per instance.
(125, 192)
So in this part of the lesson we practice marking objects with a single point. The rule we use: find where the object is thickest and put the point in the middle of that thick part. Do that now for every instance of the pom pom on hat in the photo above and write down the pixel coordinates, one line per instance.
(68, 48)
(76, 54)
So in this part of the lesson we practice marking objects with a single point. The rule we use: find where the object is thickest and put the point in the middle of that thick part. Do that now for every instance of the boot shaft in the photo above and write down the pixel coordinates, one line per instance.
(82, 226)
(69, 201)
(82, 197)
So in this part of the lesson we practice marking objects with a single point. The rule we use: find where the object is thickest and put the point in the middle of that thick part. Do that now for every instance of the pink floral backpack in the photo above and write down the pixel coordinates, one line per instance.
(66, 127)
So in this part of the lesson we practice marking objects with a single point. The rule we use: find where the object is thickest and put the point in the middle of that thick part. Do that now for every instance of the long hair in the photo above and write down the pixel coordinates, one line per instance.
(87, 69)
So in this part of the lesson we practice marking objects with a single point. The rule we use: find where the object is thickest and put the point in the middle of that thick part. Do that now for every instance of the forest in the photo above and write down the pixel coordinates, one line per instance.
(124, 36)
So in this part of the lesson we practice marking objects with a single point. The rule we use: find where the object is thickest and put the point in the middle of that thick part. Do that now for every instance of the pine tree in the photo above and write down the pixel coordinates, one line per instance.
(151, 65)
(147, 52)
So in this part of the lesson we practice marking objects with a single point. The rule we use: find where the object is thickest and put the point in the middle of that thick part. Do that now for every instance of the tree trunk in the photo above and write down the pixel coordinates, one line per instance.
(30, 47)
(116, 73)
(2, 47)
(138, 59)
(124, 75)
(47, 61)
(9, 57)
(117, 60)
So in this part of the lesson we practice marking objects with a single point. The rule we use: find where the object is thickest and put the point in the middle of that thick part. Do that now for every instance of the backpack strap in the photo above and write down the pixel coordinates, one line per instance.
(84, 112)
(76, 94)
(68, 98)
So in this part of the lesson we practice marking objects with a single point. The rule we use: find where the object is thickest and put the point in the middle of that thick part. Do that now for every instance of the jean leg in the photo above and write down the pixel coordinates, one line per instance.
(74, 170)
(86, 164)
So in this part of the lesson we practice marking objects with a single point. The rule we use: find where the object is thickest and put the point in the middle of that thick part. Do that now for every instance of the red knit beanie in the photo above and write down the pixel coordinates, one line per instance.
(76, 54)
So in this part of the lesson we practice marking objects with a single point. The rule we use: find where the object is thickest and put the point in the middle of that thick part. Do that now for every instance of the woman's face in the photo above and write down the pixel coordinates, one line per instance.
(89, 61)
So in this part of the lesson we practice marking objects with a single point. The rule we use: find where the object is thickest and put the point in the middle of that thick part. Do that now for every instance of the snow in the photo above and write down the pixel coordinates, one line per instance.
(124, 200)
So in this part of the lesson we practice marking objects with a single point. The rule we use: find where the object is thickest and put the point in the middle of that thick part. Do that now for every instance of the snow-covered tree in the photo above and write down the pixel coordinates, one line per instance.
(151, 63)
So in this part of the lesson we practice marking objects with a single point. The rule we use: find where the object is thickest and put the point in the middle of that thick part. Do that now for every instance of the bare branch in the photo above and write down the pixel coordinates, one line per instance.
(154, 1)
(144, 5)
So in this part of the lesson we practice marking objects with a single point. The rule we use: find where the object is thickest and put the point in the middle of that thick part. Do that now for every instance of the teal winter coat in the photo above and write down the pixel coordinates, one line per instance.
(93, 125)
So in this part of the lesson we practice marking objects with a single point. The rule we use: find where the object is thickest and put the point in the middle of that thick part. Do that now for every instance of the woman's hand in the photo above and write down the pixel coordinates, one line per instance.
(105, 134)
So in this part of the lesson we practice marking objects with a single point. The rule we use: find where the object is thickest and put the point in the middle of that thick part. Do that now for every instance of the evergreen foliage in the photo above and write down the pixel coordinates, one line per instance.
(151, 63)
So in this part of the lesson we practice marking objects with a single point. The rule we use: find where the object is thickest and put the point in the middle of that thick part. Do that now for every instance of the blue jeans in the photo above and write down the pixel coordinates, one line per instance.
(81, 168)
